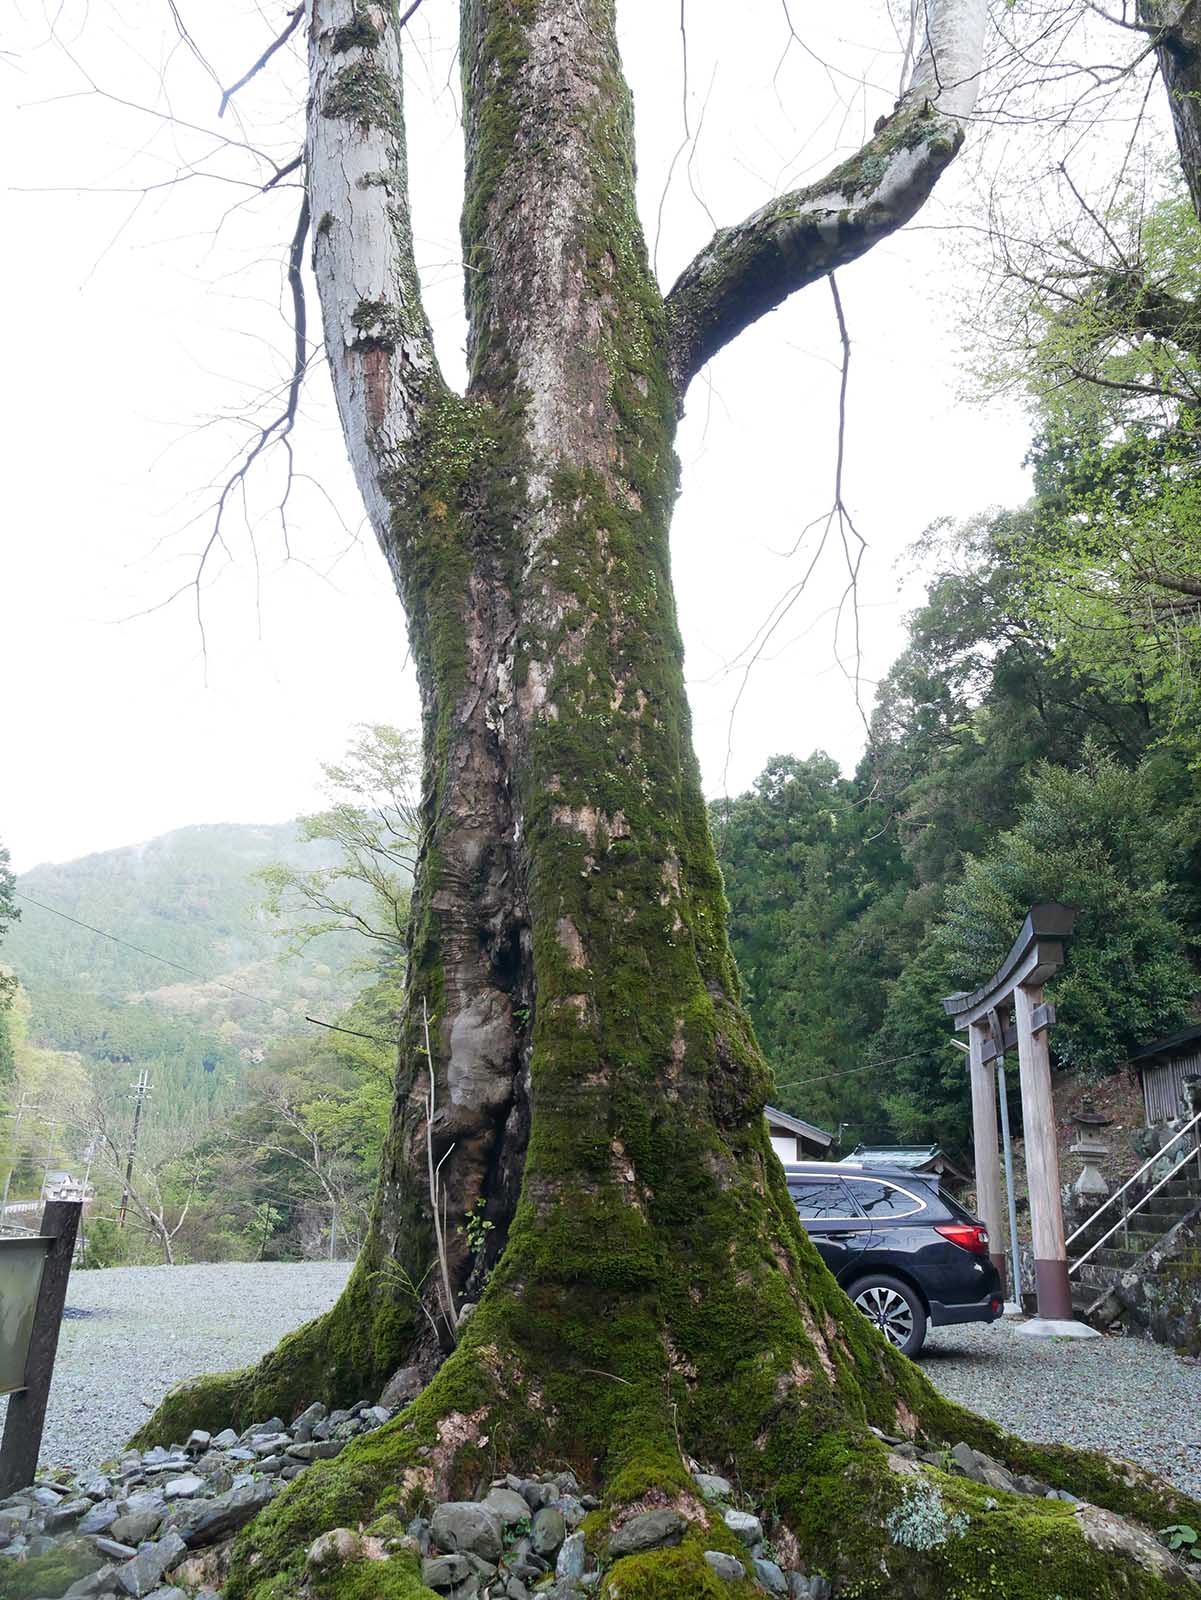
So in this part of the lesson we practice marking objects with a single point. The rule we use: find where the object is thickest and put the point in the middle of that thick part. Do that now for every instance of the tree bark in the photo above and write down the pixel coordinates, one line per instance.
(1176, 26)
(647, 1293)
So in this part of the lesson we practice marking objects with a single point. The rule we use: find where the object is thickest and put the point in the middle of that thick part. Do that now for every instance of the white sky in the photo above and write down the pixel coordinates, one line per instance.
(132, 321)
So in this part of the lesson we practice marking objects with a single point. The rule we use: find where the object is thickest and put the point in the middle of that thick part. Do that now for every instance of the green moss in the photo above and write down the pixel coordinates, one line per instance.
(676, 1574)
(380, 324)
(360, 34)
(364, 93)
(397, 1578)
(49, 1574)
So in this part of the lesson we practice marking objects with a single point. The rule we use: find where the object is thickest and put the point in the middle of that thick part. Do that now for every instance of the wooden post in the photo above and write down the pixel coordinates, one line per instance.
(27, 1407)
(1042, 1161)
(984, 1138)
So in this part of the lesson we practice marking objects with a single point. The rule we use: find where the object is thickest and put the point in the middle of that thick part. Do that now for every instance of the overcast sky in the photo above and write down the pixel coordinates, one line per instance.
(141, 327)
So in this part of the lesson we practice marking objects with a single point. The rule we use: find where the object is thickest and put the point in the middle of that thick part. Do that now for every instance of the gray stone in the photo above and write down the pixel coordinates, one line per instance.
(770, 1576)
(270, 1444)
(650, 1531)
(570, 1561)
(334, 1549)
(509, 1506)
(464, 1525)
(711, 1486)
(317, 1450)
(114, 1548)
(376, 1416)
(273, 1464)
(404, 1385)
(748, 1528)
(727, 1567)
(100, 1518)
(63, 1515)
(548, 1531)
(136, 1526)
(169, 1593)
(198, 1442)
(141, 1575)
(311, 1415)
(964, 1458)
(516, 1590)
(96, 1486)
(102, 1581)
(445, 1572)
(536, 1495)
(225, 1440)
(183, 1488)
(203, 1522)
(573, 1511)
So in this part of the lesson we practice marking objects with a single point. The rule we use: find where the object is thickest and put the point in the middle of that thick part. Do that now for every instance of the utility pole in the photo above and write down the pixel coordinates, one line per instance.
(140, 1090)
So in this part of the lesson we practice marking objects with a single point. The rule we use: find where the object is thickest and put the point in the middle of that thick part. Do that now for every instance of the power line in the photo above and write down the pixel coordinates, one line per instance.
(191, 972)
(885, 1061)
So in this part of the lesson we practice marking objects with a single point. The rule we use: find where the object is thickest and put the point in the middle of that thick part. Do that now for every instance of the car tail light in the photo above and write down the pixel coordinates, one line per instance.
(967, 1235)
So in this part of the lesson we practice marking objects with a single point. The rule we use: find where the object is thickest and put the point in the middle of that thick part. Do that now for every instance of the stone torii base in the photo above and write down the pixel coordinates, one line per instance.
(1014, 997)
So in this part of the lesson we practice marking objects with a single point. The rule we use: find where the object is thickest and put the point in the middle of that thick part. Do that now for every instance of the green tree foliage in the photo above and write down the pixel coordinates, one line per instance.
(803, 878)
(1107, 345)
(372, 829)
(857, 904)
(1097, 838)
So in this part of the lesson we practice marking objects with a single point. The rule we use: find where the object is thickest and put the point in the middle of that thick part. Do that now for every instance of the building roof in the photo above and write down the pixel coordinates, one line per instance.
(797, 1125)
(1171, 1045)
(909, 1157)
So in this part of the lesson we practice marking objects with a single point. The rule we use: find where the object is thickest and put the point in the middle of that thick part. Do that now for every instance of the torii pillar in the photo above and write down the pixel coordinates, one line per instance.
(1015, 993)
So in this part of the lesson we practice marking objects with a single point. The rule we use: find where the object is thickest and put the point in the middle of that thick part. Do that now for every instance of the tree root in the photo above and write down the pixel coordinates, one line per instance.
(847, 1505)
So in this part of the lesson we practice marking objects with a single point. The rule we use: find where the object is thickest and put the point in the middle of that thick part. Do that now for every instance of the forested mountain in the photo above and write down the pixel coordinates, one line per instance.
(189, 897)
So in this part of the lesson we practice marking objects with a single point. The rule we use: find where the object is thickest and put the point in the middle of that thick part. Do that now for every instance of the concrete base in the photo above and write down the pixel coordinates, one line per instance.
(1012, 1309)
(1056, 1328)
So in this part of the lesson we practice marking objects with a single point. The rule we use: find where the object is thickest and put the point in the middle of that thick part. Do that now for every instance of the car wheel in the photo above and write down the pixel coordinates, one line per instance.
(894, 1308)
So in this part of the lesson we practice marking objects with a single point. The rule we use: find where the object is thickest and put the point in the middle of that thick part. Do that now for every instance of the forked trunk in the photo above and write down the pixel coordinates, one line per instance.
(645, 1293)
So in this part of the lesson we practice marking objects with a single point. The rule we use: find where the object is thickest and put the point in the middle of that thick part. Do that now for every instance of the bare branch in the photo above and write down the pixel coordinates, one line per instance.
(748, 270)
(294, 20)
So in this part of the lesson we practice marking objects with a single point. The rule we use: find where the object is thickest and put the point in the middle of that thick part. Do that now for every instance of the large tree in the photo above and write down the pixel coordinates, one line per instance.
(575, 1061)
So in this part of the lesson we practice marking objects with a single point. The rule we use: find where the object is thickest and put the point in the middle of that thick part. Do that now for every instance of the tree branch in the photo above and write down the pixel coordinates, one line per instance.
(377, 335)
(748, 270)
(294, 20)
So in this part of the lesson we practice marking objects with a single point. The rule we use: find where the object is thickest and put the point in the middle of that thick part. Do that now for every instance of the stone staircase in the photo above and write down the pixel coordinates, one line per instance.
(1100, 1287)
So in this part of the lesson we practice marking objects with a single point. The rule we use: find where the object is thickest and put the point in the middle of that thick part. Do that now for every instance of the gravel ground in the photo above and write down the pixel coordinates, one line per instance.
(131, 1332)
(1127, 1397)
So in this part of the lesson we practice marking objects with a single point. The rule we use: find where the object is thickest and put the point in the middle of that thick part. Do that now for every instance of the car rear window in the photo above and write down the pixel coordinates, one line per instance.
(880, 1199)
(822, 1200)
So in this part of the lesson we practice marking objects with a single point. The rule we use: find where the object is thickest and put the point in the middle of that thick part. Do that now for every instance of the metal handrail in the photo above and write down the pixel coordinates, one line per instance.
(1127, 1212)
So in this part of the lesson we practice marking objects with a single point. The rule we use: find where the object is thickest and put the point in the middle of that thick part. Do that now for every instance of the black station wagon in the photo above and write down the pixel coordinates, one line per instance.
(908, 1255)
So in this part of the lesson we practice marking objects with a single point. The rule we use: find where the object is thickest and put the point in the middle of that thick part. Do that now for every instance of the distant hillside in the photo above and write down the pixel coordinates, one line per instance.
(190, 897)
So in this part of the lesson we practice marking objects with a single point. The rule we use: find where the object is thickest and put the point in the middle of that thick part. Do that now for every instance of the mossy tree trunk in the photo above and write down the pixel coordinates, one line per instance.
(645, 1292)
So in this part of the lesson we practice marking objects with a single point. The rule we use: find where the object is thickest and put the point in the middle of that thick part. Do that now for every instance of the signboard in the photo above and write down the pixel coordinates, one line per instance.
(21, 1264)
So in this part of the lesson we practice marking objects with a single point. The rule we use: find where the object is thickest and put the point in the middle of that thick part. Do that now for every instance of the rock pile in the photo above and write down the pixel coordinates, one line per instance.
(524, 1540)
(121, 1532)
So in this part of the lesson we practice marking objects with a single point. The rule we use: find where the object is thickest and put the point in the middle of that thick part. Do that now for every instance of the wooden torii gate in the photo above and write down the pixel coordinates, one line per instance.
(1009, 1010)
